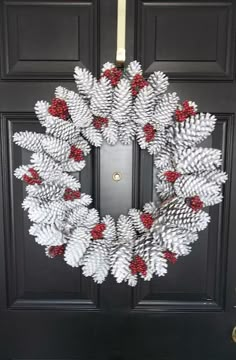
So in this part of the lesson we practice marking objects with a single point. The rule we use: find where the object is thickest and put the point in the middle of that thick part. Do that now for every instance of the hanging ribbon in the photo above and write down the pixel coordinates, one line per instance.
(121, 27)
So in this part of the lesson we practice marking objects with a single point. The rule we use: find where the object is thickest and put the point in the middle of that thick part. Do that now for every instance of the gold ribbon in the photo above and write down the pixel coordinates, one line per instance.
(121, 27)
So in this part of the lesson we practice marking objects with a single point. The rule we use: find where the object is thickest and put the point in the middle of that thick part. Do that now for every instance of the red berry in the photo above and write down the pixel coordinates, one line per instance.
(71, 194)
(186, 111)
(56, 250)
(98, 122)
(147, 220)
(59, 109)
(33, 179)
(170, 256)
(113, 75)
(97, 231)
(137, 84)
(76, 154)
(149, 131)
(195, 203)
(138, 266)
(171, 176)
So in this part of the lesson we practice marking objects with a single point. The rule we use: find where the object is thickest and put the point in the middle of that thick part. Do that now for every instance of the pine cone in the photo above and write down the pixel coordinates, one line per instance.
(216, 176)
(127, 132)
(48, 213)
(61, 129)
(73, 166)
(190, 185)
(56, 148)
(165, 109)
(177, 240)
(78, 242)
(96, 261)
(84, 81)
(125, 229)
(197, 159)
(41, 111)
(144, 106)
(176, 212)
(79, 110)
(47, 168)
(110, 132)
(101, 98)
(133, 69)
(110, 231)
(93, 135)
(159, 82)
(46, 191)
(193, 130)
(77, 216)
(48, 235)
(122, 102)
(31, 141)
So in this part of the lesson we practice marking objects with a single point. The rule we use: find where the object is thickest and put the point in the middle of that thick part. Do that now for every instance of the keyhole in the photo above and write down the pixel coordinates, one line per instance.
(116, 176)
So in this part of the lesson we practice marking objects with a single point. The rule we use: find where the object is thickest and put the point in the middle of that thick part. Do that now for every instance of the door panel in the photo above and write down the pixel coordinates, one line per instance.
(178, 290)
(49, 310)
(31, 282)
(167, 39)
(47, 40)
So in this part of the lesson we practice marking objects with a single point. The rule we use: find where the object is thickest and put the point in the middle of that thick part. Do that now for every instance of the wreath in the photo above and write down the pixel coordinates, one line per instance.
(119, 106)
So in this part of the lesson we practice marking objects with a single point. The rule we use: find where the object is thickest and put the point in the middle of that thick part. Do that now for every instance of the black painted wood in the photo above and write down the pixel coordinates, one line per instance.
(50, 311)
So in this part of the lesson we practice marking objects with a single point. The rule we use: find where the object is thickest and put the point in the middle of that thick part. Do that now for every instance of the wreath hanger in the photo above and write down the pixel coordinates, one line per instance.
(121, 33)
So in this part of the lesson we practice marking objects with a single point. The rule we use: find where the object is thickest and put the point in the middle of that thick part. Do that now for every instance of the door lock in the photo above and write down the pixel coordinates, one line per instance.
(116, 176)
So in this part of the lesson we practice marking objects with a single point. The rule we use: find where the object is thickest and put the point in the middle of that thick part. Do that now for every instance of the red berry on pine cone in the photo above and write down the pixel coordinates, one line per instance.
(171, 176)
(56, 250)
(170, 256)
(147, 220)
(59, 109)
(76, 154)
(137, 84)
(97, 231)
(113, 75)
(71, 194)
(138, 266)
(195, 203)
(186, 110)
(33, 179)
(99, 122)
(149, 131)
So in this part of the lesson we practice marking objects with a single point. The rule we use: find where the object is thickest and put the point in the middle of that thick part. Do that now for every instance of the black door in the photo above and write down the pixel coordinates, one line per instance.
(49, 310)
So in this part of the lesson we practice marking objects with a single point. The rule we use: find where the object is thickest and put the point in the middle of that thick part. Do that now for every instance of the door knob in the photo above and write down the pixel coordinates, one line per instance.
(234, 334)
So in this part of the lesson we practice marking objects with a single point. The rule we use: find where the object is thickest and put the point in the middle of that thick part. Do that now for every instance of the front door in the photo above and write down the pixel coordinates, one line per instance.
(49, 310)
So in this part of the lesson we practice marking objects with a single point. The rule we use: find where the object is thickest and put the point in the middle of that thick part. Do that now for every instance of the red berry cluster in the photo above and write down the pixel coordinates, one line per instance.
(113, 75)
(170, 256)
(147, 220)
(98, 122)
(59, 109)
(171, 176)
(56, 250)
(70, 194)
(186, 111)
(137, 84)
(149, 131)
(33, 179)
(97, 231)
(138, 266)
(76, 154)
(195, 203)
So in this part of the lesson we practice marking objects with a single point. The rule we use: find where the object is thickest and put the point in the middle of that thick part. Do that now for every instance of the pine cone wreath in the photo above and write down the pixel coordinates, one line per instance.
(119, 106)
